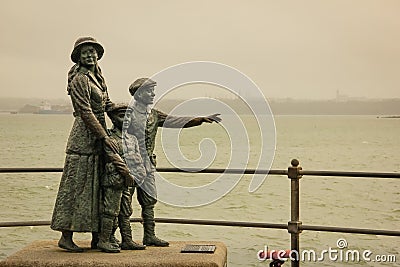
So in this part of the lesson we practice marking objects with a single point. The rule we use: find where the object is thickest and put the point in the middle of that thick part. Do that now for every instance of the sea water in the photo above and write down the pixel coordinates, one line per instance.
(345, 143)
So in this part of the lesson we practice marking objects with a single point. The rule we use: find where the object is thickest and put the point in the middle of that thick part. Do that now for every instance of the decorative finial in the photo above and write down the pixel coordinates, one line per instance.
(295, 162)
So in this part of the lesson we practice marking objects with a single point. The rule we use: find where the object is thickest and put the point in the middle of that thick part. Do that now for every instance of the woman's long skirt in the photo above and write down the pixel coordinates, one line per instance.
(77, 204)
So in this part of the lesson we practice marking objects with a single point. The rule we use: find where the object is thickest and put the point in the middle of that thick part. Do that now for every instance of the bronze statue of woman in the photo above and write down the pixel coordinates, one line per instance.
(77, 204)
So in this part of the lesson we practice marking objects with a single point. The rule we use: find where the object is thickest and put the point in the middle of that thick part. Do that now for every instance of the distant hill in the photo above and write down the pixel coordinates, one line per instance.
(312, 107)
(333, 107)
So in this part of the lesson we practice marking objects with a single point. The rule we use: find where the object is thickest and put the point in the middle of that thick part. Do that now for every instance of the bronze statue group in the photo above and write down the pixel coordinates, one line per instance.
(104, 167)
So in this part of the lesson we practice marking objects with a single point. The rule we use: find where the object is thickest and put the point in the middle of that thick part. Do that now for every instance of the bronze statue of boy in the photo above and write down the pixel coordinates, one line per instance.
(144, 123)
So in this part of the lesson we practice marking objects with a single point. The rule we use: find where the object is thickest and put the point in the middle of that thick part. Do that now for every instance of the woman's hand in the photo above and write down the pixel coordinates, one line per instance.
(111, 144)
(129, 180)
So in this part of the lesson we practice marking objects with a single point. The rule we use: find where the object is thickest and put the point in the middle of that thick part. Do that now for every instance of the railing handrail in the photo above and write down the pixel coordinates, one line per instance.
(349, 174)
(234, 224)
(294, 226)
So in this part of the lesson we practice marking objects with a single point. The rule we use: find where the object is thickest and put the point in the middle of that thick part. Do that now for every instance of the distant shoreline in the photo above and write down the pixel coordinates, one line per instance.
(385, 108)
(389, 117)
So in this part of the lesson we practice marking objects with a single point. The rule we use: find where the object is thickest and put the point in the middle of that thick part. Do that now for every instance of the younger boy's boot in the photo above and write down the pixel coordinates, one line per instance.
(104, 237)
(114, 241)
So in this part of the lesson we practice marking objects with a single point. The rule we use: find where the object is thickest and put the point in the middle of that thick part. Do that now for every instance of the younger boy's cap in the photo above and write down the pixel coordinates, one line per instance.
(116, 107)
(141, 82)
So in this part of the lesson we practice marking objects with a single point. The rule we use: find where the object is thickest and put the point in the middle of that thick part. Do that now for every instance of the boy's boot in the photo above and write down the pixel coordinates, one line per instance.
(149, 237)
(126, 234)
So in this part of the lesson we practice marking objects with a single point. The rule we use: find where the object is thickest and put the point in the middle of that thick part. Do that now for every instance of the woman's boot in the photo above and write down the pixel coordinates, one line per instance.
(66, 242)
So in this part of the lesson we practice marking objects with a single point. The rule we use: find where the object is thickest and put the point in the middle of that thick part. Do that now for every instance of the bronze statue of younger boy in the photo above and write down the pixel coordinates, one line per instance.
(116, 187)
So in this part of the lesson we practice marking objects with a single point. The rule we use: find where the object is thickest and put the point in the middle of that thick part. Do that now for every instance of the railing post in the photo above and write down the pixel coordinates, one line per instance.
(294, 223)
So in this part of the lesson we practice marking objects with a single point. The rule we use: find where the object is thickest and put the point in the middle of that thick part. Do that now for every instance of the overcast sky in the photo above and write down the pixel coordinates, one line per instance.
(298, 49)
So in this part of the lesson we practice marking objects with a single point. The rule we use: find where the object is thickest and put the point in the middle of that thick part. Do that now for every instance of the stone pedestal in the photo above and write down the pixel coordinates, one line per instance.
(47, 254)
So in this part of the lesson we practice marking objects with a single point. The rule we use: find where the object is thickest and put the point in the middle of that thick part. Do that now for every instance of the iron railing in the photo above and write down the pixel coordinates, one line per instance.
(294, 226)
